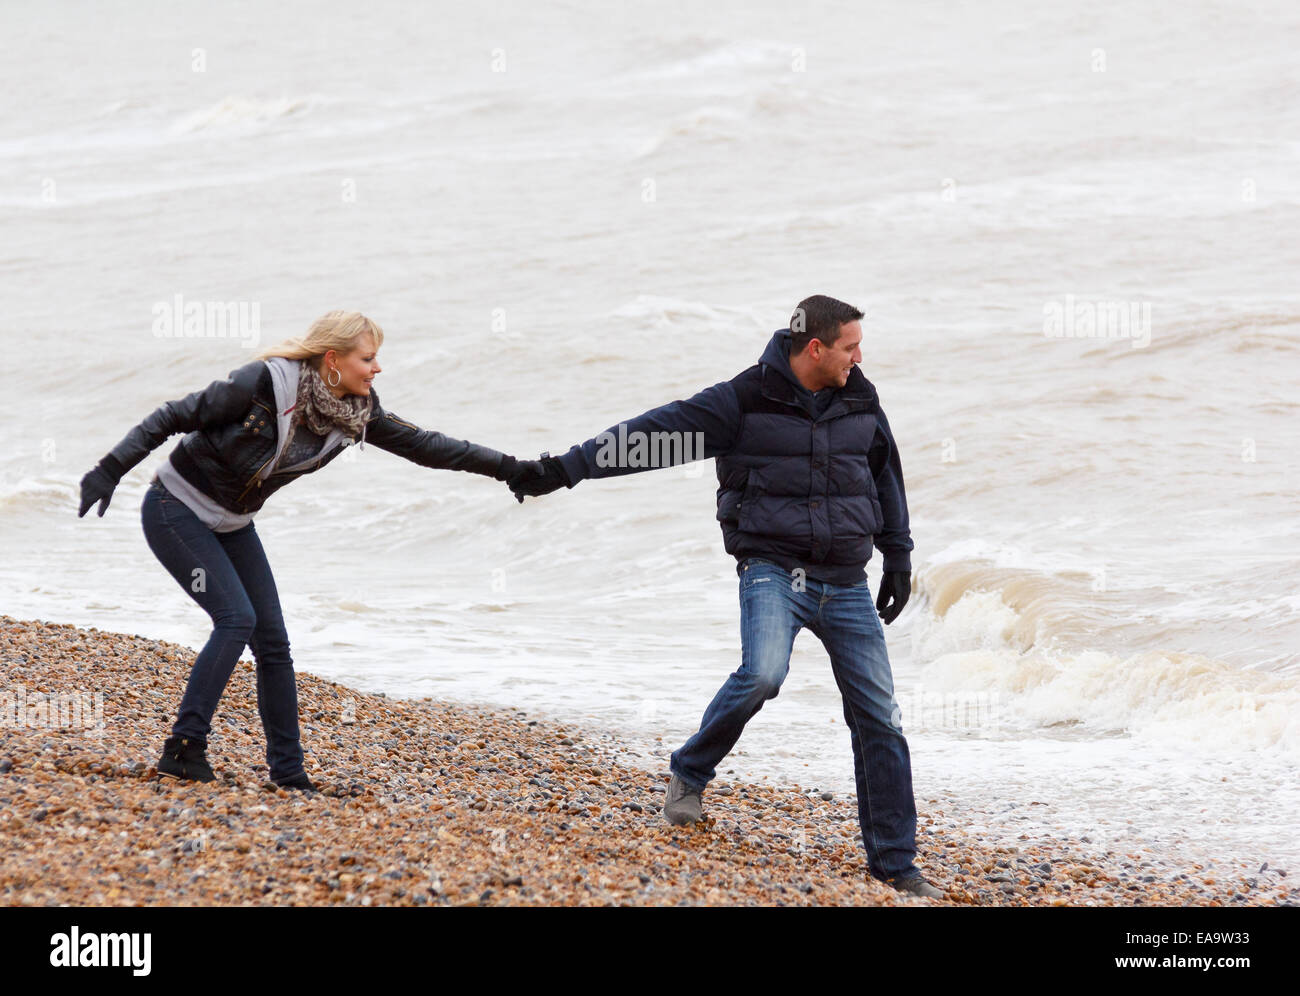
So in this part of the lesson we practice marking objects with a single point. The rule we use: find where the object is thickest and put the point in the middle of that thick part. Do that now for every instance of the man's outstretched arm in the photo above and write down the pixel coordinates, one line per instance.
(696, 428)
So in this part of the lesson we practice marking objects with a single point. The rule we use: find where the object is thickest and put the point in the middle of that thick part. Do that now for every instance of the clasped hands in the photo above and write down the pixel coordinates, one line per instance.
(533, 478)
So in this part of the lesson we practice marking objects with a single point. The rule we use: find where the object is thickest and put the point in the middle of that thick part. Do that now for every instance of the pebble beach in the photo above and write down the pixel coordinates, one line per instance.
(430, 803)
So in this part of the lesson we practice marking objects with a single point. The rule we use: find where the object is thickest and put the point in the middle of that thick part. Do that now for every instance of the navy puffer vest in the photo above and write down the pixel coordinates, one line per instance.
(797, 487)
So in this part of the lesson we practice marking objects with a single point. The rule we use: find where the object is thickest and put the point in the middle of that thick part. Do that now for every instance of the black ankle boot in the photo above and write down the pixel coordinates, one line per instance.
(186, 757)
(302, 783)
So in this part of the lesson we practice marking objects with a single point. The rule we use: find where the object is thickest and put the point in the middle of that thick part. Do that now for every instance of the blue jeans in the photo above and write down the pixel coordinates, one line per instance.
(228, 575)
(772, 611)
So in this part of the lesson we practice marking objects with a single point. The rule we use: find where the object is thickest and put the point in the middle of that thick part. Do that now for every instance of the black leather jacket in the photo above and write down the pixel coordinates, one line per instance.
(231, 436)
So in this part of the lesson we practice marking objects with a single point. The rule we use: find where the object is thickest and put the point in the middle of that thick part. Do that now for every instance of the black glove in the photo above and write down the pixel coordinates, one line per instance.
(548, 477)
(98, 485)
(512, 470)
(508, 467)
(895, 585)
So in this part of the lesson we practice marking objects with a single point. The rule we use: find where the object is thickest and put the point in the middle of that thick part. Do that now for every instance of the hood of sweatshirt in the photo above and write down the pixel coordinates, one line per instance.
(284, 378)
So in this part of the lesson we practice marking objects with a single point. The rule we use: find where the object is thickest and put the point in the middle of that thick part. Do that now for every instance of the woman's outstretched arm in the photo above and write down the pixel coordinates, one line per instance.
(220, 403)
(428, 448)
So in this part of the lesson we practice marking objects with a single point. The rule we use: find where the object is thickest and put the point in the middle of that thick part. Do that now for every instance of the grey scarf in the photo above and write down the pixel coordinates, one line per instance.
(321, 411)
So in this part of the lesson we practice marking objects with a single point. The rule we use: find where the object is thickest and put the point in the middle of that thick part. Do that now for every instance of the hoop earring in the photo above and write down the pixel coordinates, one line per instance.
(334, 383)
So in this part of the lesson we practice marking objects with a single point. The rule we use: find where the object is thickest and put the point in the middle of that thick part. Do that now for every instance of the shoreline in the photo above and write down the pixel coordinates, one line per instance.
(435, 803)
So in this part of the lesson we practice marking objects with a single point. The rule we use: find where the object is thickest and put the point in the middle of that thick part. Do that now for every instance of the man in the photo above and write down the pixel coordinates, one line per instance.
(809, 479)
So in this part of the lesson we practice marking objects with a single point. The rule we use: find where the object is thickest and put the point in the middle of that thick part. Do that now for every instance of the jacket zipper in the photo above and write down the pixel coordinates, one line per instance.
(254, 478)
(401, 422)
(248, 487)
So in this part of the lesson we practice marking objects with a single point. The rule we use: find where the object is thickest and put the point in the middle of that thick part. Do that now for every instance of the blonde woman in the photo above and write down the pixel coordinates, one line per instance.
(287, 413)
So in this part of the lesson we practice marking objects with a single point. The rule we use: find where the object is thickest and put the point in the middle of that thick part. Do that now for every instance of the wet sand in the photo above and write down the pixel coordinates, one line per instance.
(431, 803)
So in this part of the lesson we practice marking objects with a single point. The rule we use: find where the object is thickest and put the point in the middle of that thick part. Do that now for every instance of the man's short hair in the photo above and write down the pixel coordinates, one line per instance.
(819, 317)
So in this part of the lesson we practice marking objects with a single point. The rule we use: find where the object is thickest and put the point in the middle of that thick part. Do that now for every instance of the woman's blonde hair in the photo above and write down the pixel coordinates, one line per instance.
(340, 330)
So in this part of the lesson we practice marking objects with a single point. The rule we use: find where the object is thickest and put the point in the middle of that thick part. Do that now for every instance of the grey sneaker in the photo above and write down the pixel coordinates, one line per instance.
(682, 803)
(915, 885)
